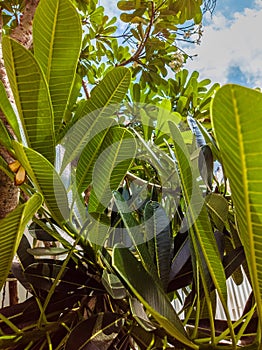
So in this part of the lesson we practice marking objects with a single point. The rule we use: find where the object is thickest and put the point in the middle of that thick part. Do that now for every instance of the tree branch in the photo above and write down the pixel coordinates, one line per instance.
(23, 32)
(150, 185)
(85, 89)
(141, 46)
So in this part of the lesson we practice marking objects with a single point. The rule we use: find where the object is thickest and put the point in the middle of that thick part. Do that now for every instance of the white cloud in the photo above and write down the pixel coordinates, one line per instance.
(231, 43)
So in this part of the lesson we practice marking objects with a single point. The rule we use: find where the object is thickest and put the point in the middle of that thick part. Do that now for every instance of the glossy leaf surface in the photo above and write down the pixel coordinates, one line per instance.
(93, 116)
(46, 181)
(57, 35)
(149, 293)
(238, 133)
(31, 96)
(11, 230)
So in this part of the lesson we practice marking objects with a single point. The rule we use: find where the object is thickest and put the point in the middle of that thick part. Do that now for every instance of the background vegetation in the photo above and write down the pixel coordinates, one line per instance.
(109, 155)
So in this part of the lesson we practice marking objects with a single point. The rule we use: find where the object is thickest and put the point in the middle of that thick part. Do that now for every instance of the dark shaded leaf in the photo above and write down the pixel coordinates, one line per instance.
(42, 276)
(27, 313)
(146, 339)
(233, 260)
(182, 279)
(95, 333)
(157, 226)
(39, 233)
(25, 258)
(206, 165)
(180, 259)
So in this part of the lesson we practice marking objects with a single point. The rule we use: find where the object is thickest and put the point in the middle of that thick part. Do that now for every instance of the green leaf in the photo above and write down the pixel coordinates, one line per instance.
(8, 111)
(97, 230)
(88, 158)
(111, 164)
(135, 231)
(5, 138)
(236, 117)
(31, 96)
(43, 251)
(94, 113)
(139, 313)
(187, 9)
(108, 94)
(46, 180)
(11, 230)
(57, 34)
(148, 292)
(126, 5)
(164, 115)
(113, 285)
(196, 214)
(145, 339)
(218, 208)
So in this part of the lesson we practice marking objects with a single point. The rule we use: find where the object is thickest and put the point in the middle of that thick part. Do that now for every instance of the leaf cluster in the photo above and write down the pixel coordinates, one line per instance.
(135, 231)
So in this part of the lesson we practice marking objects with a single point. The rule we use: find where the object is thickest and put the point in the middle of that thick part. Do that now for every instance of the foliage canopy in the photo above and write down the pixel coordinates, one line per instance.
(114, 150)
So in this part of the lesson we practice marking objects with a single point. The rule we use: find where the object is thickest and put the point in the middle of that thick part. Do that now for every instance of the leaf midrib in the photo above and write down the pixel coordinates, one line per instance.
(245, 189)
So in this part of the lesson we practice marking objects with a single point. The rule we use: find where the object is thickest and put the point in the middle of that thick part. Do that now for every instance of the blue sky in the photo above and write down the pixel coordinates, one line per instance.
(232, 6)
(231, 47)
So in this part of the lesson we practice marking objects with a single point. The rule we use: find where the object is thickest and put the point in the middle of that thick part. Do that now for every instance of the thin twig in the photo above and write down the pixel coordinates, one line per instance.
(150, 185)
(84, 85)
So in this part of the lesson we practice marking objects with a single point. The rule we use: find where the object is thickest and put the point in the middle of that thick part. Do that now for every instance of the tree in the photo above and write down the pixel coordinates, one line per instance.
(113, 176)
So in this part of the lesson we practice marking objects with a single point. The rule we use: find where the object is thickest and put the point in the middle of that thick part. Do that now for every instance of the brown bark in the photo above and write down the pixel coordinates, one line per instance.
(9, 195)
(23, 32)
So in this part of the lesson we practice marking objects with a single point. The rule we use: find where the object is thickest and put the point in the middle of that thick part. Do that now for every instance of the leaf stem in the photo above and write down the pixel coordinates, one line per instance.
(10, 324)
(58, 277)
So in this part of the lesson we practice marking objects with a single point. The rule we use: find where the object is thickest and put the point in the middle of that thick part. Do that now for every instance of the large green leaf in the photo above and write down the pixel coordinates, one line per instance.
(134, 229)
(31, 96)
(94, 113)
(8, 111)
(107, 95)
(109, 164)
(236, 117)
(96, 231)
(88, 158)
(46, 180)
(11, 230)
(196, 215)
(149, 293)
(57, 34)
